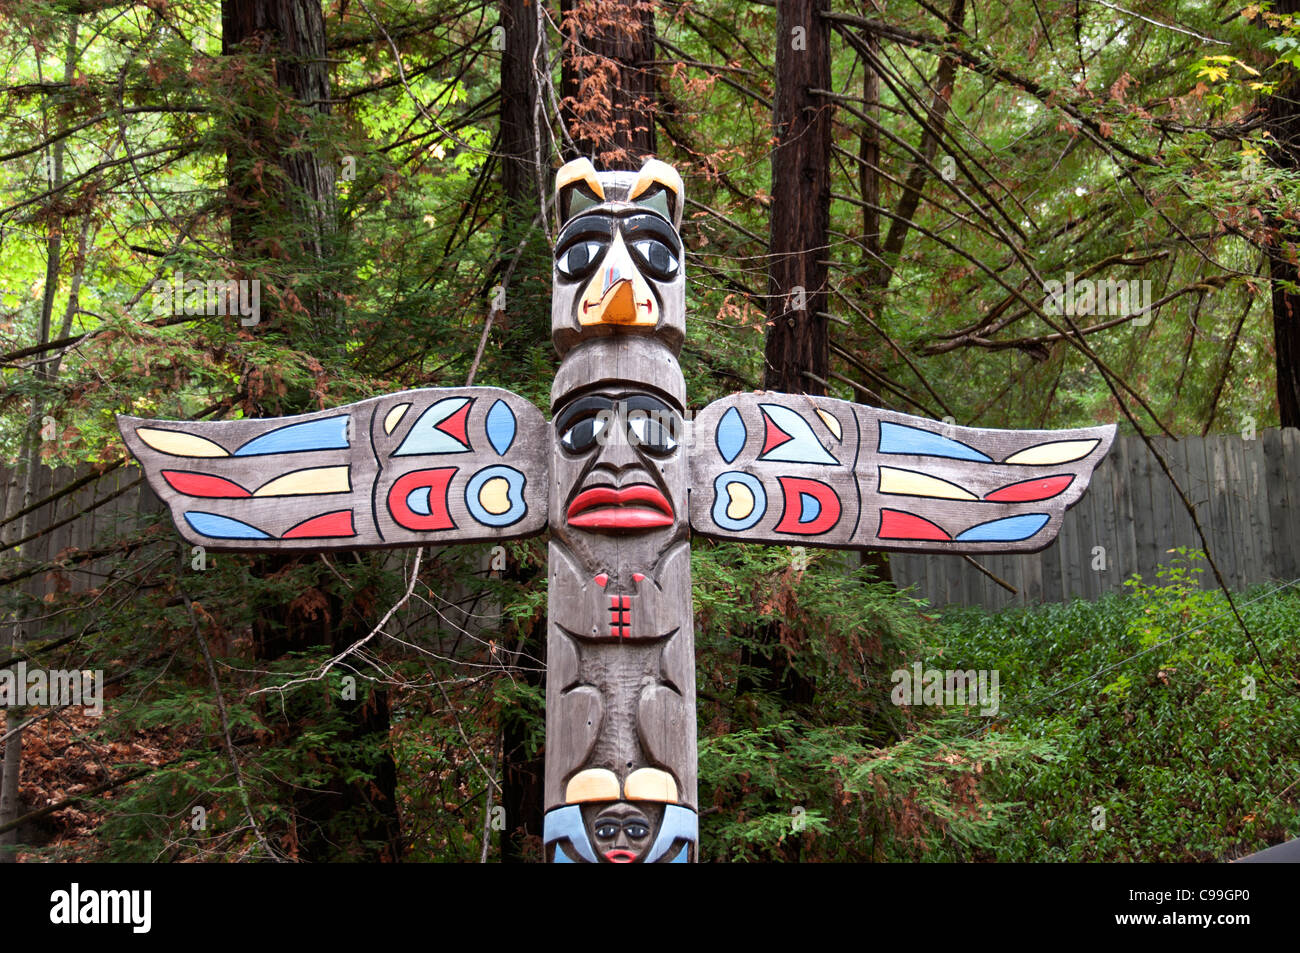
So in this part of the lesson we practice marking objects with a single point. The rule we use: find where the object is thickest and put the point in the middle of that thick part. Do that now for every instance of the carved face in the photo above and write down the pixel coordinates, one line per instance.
(621, 831)
(618, 259)
(621, 468)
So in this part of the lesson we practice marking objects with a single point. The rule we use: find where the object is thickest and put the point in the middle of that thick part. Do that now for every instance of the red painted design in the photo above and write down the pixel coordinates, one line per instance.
(454, 426)
(640, 506)
(637, 577)
(602, 579)
(326, 526)
(620, 617)
(437, 480)
(204, 484)
(828, 516)
(895, 524)
(1029, 491)
(774, 436)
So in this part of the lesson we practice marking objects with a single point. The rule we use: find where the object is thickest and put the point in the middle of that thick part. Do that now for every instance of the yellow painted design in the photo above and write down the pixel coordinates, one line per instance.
(579, 170)
(650, 784)
(655, 172)
(909, 483)
(305, 482)
(617, 293)
(742, 500)
(1050, 454)
(180, 444)
(494, 495)
(394, 417)
(831, 423)
(594, 784)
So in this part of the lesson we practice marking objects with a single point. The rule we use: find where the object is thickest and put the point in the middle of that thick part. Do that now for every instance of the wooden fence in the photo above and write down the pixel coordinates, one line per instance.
(1247, 498)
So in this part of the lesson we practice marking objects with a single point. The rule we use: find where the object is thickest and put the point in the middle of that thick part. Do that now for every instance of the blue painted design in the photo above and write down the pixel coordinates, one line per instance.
(514, 494)
(1010, 529)
(328, 434)
(730, 435)
(809, 507)
(722, 499)
(418, 500)
(680, 823)
(501, 427)
(424, 437)
(565, 823)
(898, 438)
(803, 445)
(222, 527)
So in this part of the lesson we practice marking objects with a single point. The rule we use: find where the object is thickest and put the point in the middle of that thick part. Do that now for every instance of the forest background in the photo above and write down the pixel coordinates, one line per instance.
(878, 197)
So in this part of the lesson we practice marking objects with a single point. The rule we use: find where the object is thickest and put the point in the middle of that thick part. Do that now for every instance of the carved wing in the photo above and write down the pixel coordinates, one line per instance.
(424, 466)
(793, 469)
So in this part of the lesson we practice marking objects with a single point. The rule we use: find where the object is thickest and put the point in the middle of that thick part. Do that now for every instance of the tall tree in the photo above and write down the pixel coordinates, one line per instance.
(797, 346)
(608, 80)
(282, 225)
(1282, 112)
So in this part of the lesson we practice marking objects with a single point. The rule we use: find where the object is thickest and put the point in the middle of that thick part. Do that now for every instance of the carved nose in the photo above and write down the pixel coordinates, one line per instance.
(617, 452)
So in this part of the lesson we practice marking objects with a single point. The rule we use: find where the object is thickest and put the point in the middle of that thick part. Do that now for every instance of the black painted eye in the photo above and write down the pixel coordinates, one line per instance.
(636, 830)
(652, 431)
(580, 259)
(656, 257)
(606, 830)
(585, 434)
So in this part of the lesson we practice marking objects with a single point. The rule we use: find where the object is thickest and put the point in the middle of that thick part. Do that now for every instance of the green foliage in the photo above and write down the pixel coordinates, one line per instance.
(1157, 710)
(847, 775)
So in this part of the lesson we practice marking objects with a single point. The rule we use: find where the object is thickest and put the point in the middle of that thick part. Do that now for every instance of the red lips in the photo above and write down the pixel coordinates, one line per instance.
(620, 856)
(640, 506)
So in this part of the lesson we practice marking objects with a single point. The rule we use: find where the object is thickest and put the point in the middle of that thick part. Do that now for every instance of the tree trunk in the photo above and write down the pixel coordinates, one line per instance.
(520, 99)
(522, 770)
(11, 764)
(282, 223)
(797, 349)
(607, 82)
(797, 346)
(1283, 121)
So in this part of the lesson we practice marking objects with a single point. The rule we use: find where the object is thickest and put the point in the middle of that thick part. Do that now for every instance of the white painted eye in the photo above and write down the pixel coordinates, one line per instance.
(579, 259)
(652, 431)
(585, 434)
(657, 256)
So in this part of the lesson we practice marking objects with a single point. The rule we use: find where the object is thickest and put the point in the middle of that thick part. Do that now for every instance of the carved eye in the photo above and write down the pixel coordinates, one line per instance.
(636, 830)
(657, 258)
(652, 431)
(584, 434)
(606, 830)
(579, 260)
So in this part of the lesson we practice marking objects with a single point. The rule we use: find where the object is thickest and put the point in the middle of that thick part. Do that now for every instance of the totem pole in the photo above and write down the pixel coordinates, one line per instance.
(621, 481)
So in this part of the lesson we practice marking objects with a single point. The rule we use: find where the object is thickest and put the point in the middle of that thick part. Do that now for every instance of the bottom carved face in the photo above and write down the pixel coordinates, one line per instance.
(621, 832)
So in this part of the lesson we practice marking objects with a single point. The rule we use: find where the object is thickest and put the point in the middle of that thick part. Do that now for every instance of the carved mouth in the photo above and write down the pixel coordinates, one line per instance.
(640, 506)
(619, 856)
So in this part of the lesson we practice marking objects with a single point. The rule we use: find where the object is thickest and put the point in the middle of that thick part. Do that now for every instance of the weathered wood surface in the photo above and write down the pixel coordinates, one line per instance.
(440, 465)
(1247, 498)
(620, 690)
(795, 469)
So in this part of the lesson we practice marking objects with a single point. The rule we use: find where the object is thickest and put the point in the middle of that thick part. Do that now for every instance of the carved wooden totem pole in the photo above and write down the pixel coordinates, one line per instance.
(621, 484)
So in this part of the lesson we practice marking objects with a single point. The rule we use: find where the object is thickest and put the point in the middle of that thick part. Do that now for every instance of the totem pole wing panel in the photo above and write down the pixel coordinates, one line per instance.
(795, 469)
(440, 465)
